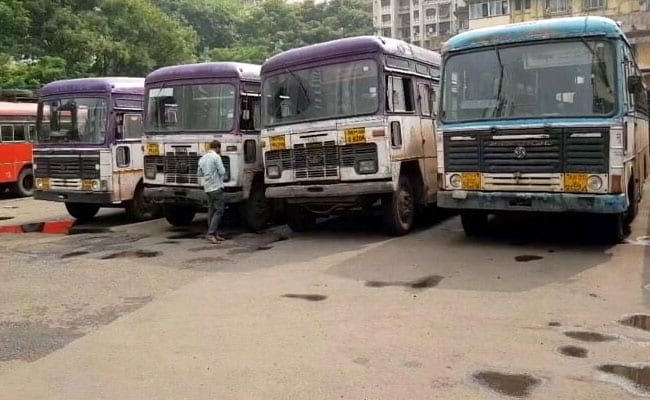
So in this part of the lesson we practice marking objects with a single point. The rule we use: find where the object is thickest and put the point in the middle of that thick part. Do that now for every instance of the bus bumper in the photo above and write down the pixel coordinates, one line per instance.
(539, 202)
(185, 195)
(329, 190)
(103, 198)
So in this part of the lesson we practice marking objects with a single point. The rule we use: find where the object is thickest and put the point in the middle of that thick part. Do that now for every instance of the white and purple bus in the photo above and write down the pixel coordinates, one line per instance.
(188, 106)
(88, 152)
(348, 123)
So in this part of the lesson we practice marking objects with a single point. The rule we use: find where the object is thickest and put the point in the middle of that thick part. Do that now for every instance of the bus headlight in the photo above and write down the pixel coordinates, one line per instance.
(42, 183)
(273, 171)
(150, 172)
(366, 166)
(594, 183)
(95, 185)
(456, 181)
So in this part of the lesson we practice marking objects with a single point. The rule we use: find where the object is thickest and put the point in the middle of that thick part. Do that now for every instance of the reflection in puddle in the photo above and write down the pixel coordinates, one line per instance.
(639, 321)
(638, 376)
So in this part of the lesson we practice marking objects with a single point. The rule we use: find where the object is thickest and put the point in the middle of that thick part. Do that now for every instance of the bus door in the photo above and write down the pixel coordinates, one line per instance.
(426, 99)
(128, 156)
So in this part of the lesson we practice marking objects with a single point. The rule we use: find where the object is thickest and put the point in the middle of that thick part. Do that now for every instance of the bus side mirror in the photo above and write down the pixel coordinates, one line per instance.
(634, 83)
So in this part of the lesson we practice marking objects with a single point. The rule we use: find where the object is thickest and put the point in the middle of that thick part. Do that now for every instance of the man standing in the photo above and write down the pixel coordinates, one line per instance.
(211, 171)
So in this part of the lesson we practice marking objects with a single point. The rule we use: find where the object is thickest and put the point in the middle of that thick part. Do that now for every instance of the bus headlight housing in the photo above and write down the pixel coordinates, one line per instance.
(273, 171)
(150, 172)
(366, 166)
(594, 183)
(42, 183)
(95, 185)
(456, 181)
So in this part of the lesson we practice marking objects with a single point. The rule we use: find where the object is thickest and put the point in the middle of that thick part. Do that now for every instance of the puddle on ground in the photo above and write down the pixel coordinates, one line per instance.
(554, 323)
(637, 376)
(29, 341)
(310, 297)
(264, 247)
(590, 336)
(639, 321)
(132, 254)
(203, 260)
(515, 385)
(422, 283)
(168, 242)
(5, 218)
(574, 351)
(74, 254)
(527, 258)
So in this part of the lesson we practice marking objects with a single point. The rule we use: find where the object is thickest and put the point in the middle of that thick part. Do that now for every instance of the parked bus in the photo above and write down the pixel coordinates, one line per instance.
(348, 123)
(17, 127)
(88, 152)
(188, 106)
(548, 116)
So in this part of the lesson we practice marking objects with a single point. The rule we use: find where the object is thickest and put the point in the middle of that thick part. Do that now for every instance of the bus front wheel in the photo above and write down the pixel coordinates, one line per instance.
(474, 222)
(300, 219)
(82, 212)
(399, 208)
(24, 186)
(255, 210)
(179, 215)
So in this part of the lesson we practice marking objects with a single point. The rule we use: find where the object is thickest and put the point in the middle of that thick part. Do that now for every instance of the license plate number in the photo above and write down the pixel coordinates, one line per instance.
(355, 135)
(277, 143)
(152, 149)
(471, 181)
(575, 183)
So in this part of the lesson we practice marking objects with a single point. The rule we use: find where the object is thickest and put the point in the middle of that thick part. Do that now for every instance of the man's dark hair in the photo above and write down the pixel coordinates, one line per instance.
(214, 145)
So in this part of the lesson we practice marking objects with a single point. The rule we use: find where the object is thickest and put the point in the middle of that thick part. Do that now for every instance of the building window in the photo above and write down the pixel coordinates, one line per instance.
(431, 29)
(386, 32)
(416, 14)
(489, 8)
(385, 18)
(445, 28)
(557, 6)
(444, 10)
(385, 3)
(594, 4)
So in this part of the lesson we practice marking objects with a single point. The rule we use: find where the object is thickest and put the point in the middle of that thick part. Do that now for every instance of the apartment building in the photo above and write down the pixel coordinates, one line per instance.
(426, 23)
(634, 16)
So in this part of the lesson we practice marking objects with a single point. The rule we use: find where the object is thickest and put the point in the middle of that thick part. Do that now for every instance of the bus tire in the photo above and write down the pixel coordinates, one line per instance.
(138, 209)
(633, 208)
(255, 211)
(178, 215)
(474, 222)
(399, 208)
(24, 186)
(82, 212)
(299, 219)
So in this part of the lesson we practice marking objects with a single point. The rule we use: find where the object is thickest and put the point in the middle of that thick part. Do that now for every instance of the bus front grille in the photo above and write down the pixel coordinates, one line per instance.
(182, 169)
(67, 167)
(316, 160)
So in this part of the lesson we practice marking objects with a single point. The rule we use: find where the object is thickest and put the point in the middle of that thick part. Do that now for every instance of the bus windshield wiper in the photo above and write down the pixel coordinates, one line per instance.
(304, 90)
(599, 61)
(500, 101)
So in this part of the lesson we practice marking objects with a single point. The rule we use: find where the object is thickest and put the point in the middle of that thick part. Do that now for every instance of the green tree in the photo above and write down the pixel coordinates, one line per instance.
(14, 20)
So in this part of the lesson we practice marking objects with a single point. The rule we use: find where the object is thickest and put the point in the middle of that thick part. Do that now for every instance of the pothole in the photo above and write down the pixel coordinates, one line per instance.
(309, 297)
(586, 336)
(639, 321)
(515, 385)
(132, 254)
(573, 351)
(635, 378)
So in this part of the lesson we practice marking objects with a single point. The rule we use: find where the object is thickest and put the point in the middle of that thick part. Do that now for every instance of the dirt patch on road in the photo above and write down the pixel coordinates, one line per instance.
(515, 385)
(29, 341)
(309, 297)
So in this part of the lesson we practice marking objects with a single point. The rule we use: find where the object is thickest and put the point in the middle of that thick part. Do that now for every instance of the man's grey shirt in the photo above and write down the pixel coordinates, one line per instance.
(211, 171)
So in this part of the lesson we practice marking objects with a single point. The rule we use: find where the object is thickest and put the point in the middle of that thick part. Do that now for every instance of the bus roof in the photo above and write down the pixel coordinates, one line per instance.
(226, 70)
(94, 85)
(349, 47)
(17, 109)
(555, 28)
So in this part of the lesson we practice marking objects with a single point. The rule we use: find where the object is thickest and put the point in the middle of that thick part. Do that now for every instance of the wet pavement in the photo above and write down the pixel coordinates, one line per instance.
(537, 309)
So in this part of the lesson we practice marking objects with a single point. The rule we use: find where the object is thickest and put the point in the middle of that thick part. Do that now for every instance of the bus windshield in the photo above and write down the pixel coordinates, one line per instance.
(72, 120)
(180, 108)
(322, 92)
(560, 79)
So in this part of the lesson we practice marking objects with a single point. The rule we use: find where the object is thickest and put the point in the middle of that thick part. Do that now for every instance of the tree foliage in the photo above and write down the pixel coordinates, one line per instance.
(45, 40)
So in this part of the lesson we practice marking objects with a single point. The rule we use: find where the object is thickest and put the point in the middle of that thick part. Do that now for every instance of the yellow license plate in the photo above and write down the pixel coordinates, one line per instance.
(277, 142)
(152, 149)
(575, 183)
(471, 180)
(355, 135)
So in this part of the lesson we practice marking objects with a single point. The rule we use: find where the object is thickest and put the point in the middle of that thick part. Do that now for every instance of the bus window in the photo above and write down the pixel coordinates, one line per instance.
(400, 96)
(423, 98)
(32, 132)
(132, 126)
(19, 133)
(7, 133)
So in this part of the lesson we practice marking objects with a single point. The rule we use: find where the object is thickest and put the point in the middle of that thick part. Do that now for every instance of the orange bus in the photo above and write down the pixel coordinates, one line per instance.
(17, 131)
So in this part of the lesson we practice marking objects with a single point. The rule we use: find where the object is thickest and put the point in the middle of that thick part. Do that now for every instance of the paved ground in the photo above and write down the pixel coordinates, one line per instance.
(145, 311)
